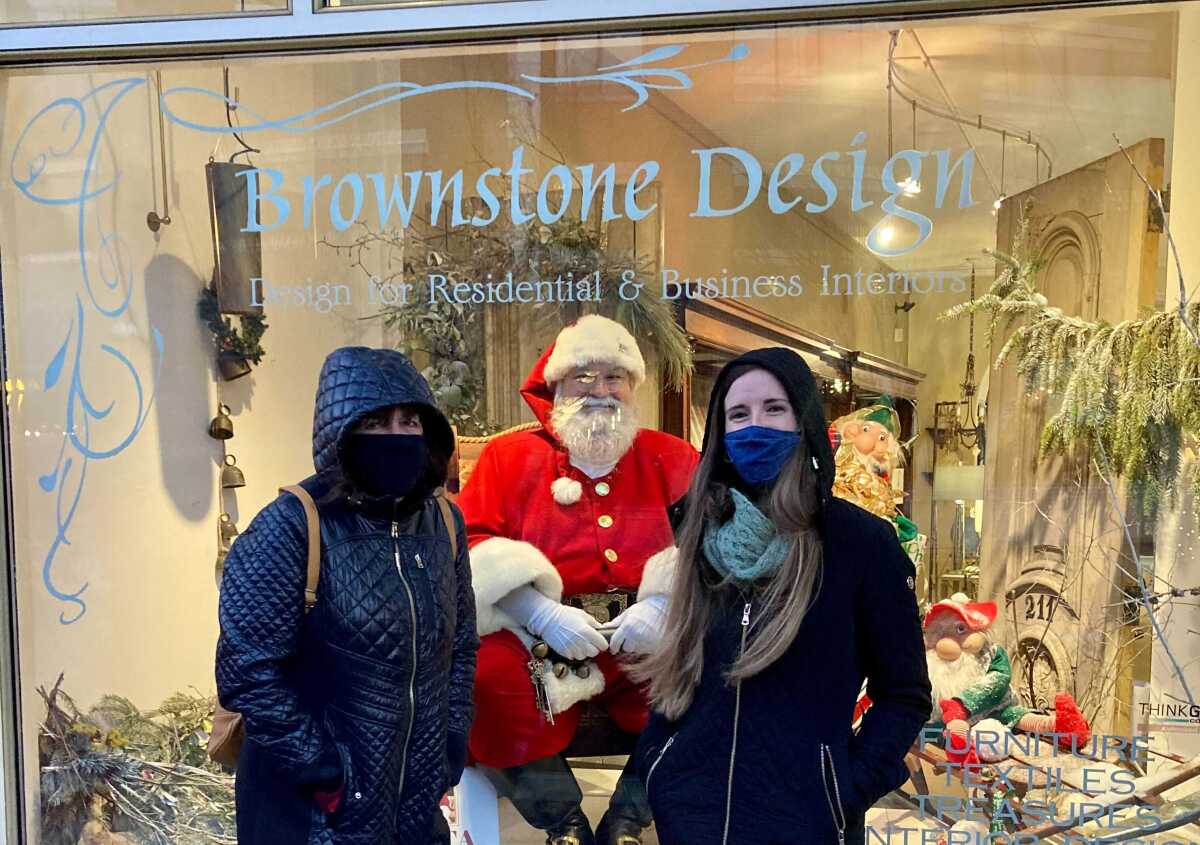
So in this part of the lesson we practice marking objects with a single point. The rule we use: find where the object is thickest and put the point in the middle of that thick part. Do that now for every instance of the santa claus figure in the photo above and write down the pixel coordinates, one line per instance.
(571, 559)
(972, 682)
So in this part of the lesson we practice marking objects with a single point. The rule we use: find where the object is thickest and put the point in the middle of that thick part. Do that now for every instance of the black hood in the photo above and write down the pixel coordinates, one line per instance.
(801, 386)
(357, 380)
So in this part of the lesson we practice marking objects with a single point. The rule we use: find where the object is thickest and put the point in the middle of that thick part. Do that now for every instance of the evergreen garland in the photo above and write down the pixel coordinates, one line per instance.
(244, 342)
(1130, 391)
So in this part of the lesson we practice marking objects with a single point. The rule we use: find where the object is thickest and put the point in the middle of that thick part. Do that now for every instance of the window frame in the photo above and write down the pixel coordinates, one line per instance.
(405, 22)
(312, 25)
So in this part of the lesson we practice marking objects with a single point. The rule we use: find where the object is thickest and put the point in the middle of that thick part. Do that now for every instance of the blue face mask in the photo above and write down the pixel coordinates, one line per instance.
(759, 453)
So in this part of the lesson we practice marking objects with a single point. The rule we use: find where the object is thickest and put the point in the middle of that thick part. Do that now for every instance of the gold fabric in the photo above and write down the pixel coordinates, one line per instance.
(855, 483)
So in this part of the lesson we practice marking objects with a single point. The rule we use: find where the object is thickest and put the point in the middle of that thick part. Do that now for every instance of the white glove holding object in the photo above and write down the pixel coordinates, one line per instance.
(567, 630)
(640, 627)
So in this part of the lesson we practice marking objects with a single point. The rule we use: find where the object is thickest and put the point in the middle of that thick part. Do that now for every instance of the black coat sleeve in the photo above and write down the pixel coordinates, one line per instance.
(892, 653)
(466, 639)
(261, 616)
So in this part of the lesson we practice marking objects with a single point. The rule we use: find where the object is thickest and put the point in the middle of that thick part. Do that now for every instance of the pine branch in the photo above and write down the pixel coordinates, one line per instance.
(1131, 390)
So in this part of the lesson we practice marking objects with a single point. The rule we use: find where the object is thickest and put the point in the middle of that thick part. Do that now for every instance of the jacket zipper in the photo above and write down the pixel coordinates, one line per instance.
(838, 811)
(412, 678)
(662, 753)
(737, 712)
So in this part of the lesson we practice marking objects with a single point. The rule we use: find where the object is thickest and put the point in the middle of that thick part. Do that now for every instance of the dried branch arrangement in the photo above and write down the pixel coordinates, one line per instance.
(117, 776)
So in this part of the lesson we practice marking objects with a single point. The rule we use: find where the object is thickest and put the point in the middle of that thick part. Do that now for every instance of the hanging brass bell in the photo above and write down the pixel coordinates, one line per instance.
(561, 670)
(583, 672)
(540, 650)
(221, 427)
(219, 570)
(231, 475)
(228, 530)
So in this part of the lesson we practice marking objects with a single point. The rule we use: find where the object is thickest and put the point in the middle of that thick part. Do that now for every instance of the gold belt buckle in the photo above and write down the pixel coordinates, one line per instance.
(603, 607)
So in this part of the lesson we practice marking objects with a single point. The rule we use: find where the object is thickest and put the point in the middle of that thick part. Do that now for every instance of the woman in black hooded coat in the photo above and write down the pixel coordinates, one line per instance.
(784, 599)
(356, 713)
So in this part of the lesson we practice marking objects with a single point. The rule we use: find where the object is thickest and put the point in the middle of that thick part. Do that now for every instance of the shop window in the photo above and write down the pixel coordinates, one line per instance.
(183, 244)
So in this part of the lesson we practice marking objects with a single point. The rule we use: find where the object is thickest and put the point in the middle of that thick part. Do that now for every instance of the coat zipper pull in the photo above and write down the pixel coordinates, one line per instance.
(746, 616)
(396, 545)
(420, 563)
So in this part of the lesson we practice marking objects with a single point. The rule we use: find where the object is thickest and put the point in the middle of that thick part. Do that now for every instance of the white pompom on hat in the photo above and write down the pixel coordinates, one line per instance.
(594, 339)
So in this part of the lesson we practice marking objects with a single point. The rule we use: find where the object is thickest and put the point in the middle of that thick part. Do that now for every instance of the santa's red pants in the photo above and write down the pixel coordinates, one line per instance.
(509, 730)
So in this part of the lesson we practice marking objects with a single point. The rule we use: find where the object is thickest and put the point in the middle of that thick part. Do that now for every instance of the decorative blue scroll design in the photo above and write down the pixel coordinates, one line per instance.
(63, 129)
(324, 116)
(638, 74)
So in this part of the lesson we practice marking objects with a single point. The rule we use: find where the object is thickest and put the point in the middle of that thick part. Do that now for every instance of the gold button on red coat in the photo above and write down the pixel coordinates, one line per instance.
(602, 489)
(605, 521)
(610, 555)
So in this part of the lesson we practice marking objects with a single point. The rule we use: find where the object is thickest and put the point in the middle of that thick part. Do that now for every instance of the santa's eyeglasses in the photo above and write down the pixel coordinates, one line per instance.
(587, 380)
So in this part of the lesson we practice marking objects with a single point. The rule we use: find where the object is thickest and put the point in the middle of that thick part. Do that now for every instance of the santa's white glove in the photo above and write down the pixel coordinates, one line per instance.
(640, 627)
(567, 630)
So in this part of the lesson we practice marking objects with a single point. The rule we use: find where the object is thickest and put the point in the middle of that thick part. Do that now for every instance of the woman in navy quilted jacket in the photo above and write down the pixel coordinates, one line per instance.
(356, 713)
(784, 599)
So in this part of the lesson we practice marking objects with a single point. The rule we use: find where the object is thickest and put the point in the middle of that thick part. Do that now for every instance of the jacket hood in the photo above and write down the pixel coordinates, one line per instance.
(356, 380)
(801, 386)
(538, 393)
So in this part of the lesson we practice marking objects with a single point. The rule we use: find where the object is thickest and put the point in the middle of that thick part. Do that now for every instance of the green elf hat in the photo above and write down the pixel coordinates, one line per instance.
(884, 413)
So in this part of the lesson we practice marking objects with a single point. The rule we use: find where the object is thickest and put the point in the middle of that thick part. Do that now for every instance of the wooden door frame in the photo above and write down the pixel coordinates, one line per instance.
(732, 326)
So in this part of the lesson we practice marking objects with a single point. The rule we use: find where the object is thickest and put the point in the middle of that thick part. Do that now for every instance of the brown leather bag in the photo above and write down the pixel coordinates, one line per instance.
(229, 730)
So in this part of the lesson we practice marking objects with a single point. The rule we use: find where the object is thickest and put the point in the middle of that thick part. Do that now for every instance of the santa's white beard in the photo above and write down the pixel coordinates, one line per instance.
(950, 678)
(594, 431)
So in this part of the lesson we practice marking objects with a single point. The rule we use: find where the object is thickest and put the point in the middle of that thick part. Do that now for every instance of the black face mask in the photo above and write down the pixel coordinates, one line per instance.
(385, 464)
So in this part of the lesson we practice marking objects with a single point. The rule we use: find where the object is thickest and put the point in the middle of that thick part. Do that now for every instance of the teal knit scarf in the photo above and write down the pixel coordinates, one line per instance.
(746, 547)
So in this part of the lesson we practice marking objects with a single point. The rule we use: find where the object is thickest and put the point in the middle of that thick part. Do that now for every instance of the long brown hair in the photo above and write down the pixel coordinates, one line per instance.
(780, 602)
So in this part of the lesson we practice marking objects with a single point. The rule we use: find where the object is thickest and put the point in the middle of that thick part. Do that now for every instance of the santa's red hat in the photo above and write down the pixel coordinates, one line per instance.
(978, 615)
(594, 339)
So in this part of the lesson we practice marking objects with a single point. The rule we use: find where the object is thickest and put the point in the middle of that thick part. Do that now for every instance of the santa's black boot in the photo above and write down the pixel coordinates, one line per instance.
(628, 811)
(575, 829)
(548, 797)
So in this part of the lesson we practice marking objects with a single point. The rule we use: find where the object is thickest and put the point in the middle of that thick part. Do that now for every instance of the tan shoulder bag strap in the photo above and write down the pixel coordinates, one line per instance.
(314, 543)
(448, 518)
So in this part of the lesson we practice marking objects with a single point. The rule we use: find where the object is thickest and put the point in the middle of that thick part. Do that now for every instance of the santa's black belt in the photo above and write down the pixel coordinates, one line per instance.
(603, 607)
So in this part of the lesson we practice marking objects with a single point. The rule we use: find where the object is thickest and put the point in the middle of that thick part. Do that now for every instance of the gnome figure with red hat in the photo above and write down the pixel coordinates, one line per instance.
(571, 561)
(972, 686)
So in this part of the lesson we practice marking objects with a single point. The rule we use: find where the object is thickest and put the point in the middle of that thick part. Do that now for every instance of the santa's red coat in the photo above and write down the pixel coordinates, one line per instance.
(520, 532)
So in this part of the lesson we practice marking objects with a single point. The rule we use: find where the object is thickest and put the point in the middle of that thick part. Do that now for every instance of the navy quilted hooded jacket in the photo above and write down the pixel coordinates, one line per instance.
(371, 690)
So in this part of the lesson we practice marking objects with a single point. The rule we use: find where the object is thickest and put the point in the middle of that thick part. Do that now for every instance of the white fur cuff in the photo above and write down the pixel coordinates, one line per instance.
(499, 566)
(564, 693)
(658, 576)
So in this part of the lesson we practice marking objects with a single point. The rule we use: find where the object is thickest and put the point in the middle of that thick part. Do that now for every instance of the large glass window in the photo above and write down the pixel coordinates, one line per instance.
(183, 244)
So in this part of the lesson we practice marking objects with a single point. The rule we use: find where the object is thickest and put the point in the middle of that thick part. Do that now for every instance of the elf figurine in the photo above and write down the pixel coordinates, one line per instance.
(866, 452)
(972, 682)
